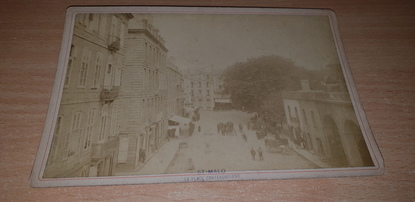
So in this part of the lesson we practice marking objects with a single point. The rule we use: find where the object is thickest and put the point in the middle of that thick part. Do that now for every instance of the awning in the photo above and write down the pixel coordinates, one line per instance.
(223, 100)
(180, 119)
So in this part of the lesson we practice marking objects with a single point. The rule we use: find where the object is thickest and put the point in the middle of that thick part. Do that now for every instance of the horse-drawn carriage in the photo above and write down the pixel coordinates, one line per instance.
(279, 145)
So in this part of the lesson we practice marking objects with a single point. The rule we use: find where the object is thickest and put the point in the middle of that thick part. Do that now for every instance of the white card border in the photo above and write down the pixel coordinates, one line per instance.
(36, 179)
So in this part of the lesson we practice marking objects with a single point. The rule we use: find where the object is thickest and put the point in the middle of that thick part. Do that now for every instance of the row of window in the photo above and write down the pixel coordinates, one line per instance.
(152, 107)
(201, 76)
(174, 81)
(203, 103)
(151, 79)
(200, 93)
(97, 23)
(112, 77)
(78, 135)
(199, 84)
(304, 115)
(153, 55)
(154, 80)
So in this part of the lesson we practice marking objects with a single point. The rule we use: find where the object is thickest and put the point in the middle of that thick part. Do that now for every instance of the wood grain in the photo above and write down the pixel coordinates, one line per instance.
(379, 40)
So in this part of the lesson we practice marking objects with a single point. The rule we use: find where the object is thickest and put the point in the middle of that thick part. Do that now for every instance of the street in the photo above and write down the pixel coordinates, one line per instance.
(209, 150)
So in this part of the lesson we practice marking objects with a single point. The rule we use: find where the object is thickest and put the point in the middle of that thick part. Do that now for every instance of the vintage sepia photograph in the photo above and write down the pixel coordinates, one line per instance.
(207, 94)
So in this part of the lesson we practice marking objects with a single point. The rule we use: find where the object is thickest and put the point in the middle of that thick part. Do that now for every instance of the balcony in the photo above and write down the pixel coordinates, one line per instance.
(109, 95)
(114, 43)
(101, 150)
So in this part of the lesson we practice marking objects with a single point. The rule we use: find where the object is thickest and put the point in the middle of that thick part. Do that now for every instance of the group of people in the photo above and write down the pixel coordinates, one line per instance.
(260, 154)
(226, 128)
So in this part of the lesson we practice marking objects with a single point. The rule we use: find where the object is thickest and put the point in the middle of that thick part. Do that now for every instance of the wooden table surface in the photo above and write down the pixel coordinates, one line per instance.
(379, 40)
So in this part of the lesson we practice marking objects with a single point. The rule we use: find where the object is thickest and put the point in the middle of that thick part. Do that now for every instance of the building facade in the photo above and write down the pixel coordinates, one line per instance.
(324, 123)
(86, 138)
(222, 101)
(202, 90)
(150, 97)
(186, 85)
(118, 95)
(175, 92)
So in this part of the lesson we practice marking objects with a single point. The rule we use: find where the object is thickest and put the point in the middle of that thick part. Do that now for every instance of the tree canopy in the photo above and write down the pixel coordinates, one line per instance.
(257, 82)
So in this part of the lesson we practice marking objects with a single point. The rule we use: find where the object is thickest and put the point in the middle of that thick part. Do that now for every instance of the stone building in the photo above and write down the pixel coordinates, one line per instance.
(86, 138)
(175, 92)
(187, 92)
(324, 122)
(118, 95)
(202, 90)
(146, 103)
(222, 101)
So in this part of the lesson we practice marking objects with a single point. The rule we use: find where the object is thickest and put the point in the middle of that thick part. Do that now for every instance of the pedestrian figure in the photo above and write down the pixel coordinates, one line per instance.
(199, 129)
(191, 128)
(142, 156)
(253, 153)
(244, 137)
(261, 157)
(207, 148)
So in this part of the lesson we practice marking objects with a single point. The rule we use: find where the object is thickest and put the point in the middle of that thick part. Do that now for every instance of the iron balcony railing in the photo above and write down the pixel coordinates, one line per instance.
(110, 94)
(114, 43)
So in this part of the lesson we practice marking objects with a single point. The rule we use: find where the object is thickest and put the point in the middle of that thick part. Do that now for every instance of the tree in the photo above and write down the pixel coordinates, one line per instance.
(256, 85)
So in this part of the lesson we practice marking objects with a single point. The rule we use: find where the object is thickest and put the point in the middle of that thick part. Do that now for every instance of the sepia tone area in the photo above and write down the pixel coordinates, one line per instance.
(131, 105)
(378, 38)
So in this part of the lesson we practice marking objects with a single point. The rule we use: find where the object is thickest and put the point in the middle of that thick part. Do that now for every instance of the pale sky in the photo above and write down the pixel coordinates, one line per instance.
(220, 40)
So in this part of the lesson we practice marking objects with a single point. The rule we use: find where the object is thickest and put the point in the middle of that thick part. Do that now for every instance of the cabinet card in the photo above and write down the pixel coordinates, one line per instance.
(183, 94)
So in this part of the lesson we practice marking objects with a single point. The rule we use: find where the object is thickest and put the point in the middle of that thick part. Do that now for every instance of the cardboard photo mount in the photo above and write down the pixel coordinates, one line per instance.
(140, 97)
